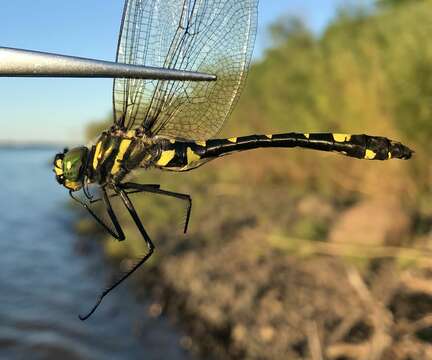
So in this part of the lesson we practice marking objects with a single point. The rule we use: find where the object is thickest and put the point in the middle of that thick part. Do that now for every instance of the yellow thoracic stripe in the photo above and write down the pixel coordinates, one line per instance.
(107, 152)
(124, 145)
(341, 137)
(192, 156)
(269, 136)
(97, 155)
(131, 134)
(307, 136)
(165, 157)
(232, 139)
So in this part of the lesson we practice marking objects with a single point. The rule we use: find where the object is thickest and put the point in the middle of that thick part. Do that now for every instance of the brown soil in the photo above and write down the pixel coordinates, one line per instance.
(244, 301)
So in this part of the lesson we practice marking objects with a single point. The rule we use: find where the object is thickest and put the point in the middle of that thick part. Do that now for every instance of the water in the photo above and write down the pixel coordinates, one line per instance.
(44, 283)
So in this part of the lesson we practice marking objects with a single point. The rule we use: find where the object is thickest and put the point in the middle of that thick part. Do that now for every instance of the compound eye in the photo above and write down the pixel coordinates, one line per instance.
(73, 164)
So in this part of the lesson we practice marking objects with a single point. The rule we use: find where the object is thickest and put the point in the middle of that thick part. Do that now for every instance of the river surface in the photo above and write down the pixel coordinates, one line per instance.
(45, 282)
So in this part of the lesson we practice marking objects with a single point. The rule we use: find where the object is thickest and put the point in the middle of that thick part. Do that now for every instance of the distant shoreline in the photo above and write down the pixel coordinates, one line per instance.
(33, 146)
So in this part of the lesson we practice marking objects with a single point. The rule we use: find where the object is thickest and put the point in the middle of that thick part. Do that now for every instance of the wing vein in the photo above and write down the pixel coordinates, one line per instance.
(197, 35)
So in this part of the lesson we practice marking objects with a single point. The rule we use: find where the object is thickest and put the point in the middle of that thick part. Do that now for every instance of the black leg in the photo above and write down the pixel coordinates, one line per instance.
(152, 189)
(87, 193)
(150, 186)
(118, 234)
(124, 196)
(146, 238)
(155, 189)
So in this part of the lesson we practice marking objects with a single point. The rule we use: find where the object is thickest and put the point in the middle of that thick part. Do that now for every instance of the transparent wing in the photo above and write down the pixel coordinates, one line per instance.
(211, 36)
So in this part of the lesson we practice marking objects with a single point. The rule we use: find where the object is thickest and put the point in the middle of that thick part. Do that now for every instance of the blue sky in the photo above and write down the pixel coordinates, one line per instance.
(59, 109)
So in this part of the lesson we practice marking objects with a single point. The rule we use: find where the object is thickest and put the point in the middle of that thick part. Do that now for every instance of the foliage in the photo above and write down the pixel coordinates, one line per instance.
(369, 72)
(388, 3)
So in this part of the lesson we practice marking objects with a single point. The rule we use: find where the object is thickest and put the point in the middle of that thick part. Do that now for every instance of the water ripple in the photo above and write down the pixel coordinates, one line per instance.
(45, 284)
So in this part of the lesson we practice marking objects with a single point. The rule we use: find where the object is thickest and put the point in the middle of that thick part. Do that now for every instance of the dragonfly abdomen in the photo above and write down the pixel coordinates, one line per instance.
(358, 146)
(187, 155)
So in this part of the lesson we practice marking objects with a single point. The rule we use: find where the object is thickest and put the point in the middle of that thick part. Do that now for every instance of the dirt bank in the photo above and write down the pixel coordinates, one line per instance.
(235, 304)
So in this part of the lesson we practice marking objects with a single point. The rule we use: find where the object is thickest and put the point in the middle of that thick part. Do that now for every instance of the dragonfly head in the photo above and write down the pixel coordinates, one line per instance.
(69, 167)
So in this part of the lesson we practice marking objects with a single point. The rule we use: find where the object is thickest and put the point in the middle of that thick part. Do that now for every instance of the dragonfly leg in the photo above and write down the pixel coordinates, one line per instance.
(129, 206)
(150, 186)
(150, 246)
(118, 233)
(154, 190)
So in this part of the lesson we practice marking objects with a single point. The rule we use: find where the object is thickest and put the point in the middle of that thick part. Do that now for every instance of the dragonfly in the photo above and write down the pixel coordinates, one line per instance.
(171, 124)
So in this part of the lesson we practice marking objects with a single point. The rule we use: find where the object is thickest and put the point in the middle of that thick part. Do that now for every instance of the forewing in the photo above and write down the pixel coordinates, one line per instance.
(210, 36)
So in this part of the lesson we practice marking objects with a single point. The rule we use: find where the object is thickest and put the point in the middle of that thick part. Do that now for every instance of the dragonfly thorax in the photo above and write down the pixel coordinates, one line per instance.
(70, 166)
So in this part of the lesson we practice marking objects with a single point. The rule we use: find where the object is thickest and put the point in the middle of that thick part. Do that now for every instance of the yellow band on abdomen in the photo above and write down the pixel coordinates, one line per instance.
(165, 157)
(341, 137)
(192, 156)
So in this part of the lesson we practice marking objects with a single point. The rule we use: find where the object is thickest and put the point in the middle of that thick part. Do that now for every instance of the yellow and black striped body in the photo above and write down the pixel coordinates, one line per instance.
(182, 155)
(115, 155)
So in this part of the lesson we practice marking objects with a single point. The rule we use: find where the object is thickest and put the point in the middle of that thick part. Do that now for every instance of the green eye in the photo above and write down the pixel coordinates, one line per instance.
(73, 163)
